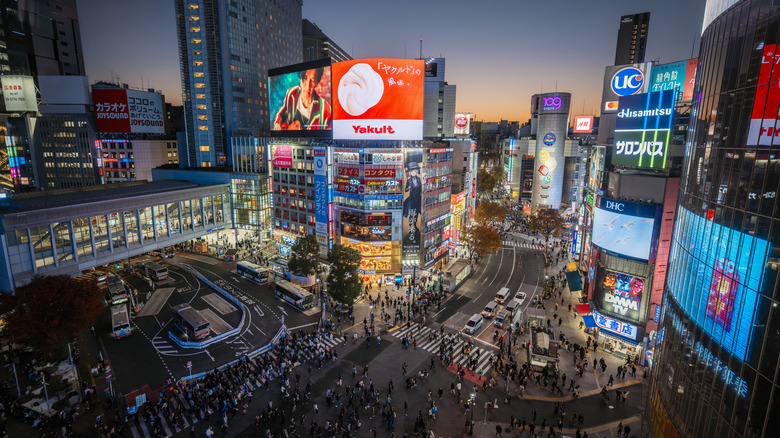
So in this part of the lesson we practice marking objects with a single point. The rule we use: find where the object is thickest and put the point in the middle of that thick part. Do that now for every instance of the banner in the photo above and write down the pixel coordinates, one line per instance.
(412, 204)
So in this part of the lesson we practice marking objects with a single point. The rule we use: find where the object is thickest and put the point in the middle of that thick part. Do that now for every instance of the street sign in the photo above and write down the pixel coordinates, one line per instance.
(108, 378)
(132, 409)
(189, 364)
(108, 369)
(140, 400)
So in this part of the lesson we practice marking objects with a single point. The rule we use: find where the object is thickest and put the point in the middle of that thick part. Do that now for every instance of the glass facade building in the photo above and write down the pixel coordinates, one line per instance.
(717, 350)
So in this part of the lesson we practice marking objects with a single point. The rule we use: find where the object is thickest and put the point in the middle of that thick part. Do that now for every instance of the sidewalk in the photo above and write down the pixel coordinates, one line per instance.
(607, 430)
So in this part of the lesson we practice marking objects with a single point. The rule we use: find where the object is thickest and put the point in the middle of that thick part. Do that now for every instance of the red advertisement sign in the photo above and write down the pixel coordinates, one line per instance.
(583, 124)
(690, 79)
(112, 113)
(282, 156)
(380, 173)
(350, 171)
(764, 124)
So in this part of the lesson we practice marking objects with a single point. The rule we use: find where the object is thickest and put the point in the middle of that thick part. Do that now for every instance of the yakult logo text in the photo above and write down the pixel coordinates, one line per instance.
(386, 129)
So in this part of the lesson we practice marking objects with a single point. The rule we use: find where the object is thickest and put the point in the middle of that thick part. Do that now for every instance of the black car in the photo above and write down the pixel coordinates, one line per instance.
(343, 309)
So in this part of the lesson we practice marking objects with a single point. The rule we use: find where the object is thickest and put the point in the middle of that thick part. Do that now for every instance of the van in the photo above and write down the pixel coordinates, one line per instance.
(502, 319)
(512, 306)
(473, 324)
(490, 310)
(501, 295)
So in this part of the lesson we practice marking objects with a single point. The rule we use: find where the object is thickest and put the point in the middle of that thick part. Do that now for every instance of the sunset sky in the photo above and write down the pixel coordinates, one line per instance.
(498, 53)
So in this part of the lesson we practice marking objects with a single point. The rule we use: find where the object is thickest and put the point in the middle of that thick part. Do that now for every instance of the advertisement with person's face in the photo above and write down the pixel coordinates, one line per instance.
(412, 205)
(378, 99)
(300, 100)
(621, 294)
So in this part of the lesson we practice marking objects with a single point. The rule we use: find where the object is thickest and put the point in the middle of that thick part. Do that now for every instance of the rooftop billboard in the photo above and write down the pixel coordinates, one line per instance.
(626, 229)
(300, 99)
(623, 80)
(642, 129)
(129, 111)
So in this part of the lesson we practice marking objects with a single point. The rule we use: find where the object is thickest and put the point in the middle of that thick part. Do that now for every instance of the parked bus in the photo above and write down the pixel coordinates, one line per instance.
(116, 290)
(295, 295)
(190, 321)
(253, 272)
(156, 271)
(120, 321)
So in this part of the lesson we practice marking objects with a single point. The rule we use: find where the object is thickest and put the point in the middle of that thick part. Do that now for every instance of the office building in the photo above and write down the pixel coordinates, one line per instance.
(225, 51)
(40, 37)
(317, 45)
(716, 355)
(131, 160)
(632, 38)
(439, 103)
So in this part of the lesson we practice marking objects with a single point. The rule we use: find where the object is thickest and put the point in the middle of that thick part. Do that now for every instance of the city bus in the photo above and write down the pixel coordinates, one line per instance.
(116, 290)
(295, 295)
(120, 321)
(156, 271)
(190, 321)
(253, 272)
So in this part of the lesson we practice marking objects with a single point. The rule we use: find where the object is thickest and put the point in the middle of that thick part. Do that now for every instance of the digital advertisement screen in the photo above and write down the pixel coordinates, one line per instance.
(679, 76)
(626, 228)
(715, 275)
(642, 129)
(621, 294)
(378, 99)
(300, 99)
(764, 121)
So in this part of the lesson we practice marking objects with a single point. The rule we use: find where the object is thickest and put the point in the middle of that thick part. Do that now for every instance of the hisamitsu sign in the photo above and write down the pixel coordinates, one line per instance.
(642, 129)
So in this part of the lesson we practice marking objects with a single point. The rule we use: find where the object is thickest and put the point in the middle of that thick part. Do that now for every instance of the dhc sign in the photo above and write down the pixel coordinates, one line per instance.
(614, 205)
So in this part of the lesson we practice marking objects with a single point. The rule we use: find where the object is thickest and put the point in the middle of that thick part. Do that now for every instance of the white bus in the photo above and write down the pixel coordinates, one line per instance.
(116, 290)
(120, 321)
(156, 271)
(295, 295)
(190, 321)
(253, 272)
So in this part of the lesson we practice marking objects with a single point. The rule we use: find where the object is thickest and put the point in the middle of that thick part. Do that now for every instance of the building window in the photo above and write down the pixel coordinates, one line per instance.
(193, 6)
(197, 63)
(204, 148)
(194, 18)
(203, 128)
(200, 85)
(198, 74)
(202, 107)
(194, 29)
(200, 96)
(203, 118)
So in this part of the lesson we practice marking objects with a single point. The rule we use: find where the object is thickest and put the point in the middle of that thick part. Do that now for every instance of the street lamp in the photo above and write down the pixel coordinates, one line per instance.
(473, 401)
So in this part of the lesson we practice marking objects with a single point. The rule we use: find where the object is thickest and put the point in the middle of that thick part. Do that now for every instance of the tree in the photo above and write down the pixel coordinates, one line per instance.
(547, 222)
(303, 254)
(344, 283)
(482, 240)
(50, 310)
(485, 181)
(489, 211)
(499, 174)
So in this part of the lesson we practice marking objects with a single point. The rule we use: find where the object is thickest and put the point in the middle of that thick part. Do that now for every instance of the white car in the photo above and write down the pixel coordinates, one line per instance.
(520, 297)
(474, 323)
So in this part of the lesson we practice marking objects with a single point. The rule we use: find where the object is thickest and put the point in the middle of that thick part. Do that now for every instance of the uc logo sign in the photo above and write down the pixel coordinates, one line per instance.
(548, 139)
(627, 81)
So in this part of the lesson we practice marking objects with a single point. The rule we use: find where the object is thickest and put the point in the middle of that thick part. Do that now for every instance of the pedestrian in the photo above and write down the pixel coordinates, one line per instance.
(611, 379)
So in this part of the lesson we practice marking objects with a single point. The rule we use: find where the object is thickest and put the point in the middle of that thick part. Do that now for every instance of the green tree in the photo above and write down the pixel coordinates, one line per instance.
(499, 174)
(485, 181)
(50, 310)
(482, 240)
(344, 283)
(547, 222)
(303, 256)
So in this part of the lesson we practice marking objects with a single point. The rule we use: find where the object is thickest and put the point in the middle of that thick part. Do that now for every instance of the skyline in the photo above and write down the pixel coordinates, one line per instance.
(110, 51)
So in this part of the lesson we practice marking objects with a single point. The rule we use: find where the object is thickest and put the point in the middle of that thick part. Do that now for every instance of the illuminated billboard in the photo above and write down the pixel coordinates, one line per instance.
(621, 294)
(764, 125)
(299, 98)
(378, 99)
(19, 93)
(281, 156)
(625, 228)
(128, 111)
(679, 76)
(715, 275)
(463, 123)
(412, 205)
(583, 124)
(623, 80)
(643, 128)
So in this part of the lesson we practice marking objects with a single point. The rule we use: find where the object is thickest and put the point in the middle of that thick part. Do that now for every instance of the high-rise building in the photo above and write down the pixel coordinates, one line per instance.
(439, 103)
(317, 45)
(717, 349)
(632, 38)
(225, 51)
(40, 38)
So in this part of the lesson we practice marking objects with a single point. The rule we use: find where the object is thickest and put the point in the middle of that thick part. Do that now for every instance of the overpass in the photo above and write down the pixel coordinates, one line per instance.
(71, 230)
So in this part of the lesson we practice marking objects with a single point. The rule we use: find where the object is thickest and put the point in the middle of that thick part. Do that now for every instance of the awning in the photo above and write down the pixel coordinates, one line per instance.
(571, 266)
(583, 308)
(575, 282)
(231, 252)
(589, 322)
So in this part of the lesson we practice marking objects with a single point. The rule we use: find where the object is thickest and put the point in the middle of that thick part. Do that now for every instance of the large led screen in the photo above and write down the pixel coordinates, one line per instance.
(625, 228)
(378, 99)
(621, 294)
(642, 129)
(715, 274)
(299, 98)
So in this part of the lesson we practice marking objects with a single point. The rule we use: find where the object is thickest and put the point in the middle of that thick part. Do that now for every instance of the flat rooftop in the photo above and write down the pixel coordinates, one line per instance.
(91, 194)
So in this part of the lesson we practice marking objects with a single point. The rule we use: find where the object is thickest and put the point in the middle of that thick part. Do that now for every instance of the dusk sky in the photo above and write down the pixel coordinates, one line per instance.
(498, 53)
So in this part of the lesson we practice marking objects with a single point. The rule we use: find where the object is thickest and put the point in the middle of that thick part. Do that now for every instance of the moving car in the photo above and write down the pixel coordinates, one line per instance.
(490, 309)
(512, 306)
(502, 295)
(502, 319)
(520, 297)
(473, 324)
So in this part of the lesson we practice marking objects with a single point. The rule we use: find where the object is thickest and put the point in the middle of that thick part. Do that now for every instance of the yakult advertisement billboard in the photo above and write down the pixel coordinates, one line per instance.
(122, 110)
(378, 99)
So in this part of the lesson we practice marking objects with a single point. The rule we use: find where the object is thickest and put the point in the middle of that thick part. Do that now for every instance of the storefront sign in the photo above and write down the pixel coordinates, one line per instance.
(321, 193)
(379, 173)
(616, 326)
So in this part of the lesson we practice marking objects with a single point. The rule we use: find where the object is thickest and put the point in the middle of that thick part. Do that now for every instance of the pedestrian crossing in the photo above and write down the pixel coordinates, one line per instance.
(523, 244)
(140, 429)
(422, 334)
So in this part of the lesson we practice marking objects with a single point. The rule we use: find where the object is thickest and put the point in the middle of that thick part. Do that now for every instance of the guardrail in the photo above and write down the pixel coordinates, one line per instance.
(223, 336)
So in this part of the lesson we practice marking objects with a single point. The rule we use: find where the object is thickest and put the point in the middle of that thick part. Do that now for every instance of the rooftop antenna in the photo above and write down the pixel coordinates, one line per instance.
(693, 43)
(556, 85)
(404, 49)
(421, 48)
